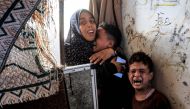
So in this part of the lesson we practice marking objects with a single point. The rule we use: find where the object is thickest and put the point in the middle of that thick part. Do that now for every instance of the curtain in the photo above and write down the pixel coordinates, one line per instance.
(108, 11)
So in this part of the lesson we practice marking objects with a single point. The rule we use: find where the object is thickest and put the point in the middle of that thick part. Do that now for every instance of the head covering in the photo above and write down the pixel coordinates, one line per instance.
(77, 49)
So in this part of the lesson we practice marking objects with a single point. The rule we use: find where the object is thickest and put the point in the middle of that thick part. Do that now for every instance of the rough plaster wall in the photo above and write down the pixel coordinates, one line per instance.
(161, 28)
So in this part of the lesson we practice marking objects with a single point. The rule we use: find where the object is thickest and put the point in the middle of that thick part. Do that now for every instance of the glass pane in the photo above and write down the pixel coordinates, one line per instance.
(81, 87)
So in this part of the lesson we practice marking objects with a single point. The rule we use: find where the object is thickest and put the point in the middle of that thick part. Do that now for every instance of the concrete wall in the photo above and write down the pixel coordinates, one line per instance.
(161, 28)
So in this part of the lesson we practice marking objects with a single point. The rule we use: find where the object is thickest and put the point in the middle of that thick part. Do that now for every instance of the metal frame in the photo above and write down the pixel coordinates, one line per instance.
(84, 67)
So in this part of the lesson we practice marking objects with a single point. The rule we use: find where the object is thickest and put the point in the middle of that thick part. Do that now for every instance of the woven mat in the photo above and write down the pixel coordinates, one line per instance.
(27, 71)
(14, 14)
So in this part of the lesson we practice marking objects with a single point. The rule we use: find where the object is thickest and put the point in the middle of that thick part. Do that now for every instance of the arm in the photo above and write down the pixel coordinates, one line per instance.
(102, 56)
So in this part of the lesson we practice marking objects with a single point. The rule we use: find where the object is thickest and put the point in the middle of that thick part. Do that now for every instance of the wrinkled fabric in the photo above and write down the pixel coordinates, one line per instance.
(107, 11)
(77, 49)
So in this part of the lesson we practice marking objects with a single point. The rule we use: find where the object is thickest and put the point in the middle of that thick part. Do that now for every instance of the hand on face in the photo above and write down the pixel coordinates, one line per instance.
(139, 76)
(87, 26)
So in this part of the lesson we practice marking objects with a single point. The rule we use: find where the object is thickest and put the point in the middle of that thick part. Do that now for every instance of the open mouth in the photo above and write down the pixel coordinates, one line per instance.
(137, 81)
(91, 32)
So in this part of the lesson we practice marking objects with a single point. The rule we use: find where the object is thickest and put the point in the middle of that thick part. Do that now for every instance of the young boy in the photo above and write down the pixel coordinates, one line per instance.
(140, 75)
(114, 89)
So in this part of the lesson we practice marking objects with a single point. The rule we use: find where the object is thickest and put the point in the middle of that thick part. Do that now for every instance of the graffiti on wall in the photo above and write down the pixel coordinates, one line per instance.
(163, 3)
(154, 4)
(160, 22)
(178, 35)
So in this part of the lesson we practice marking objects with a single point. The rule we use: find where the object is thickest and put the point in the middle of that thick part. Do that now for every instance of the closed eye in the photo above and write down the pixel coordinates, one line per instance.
(141, 71)
(132, 71)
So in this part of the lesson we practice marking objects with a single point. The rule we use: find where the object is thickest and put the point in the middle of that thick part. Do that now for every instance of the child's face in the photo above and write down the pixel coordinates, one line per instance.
(102, 40)
(140, 76)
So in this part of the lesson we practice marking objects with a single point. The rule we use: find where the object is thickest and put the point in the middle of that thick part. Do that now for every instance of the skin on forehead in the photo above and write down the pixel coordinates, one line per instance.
(141, 67)
(85, 12)
(85, 16)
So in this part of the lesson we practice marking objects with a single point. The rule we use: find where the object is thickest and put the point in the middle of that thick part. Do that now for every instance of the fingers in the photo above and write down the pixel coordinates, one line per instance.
(101, 56)
(93, 58)
(97, 58)
(102, 61)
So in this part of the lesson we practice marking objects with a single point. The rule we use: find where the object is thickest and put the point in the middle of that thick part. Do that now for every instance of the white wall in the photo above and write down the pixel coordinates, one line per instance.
(70, 6)
(161, 28)
(53, 30)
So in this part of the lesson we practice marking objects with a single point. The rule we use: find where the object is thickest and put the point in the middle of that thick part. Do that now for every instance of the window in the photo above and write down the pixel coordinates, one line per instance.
(70, 6)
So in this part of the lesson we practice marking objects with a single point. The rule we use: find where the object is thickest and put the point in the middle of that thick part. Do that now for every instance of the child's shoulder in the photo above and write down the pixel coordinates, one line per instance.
(159, 94)
(161, 99)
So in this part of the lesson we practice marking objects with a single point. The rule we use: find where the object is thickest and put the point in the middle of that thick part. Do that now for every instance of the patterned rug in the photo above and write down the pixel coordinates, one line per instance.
(14, 14)
(28, 71)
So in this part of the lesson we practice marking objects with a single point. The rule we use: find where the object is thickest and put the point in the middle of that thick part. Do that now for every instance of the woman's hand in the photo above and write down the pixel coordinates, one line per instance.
(101, 56)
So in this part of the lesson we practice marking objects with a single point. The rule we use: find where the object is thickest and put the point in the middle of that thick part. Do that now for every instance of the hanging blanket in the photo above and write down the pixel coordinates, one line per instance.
(27, 68)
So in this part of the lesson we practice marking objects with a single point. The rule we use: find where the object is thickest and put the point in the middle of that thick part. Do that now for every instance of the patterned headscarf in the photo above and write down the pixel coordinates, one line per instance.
(77, 49)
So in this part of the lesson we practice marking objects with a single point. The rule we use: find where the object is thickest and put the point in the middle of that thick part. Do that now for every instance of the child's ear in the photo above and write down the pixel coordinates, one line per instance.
(111, 44)
(151, 75)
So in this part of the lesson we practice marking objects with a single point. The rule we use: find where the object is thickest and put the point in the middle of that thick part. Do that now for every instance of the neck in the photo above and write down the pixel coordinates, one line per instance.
(143, 94)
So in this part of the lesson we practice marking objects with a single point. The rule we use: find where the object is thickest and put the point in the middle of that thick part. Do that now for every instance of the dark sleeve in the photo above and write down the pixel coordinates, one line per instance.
(76, 55)
(104, 72)
(71, 55)
(69, 59)
(110, 68)
(127, 92)
(119, 52)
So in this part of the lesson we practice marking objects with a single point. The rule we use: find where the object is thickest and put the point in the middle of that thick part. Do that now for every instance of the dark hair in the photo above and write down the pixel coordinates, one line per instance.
(142, 57)
(113, 32)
